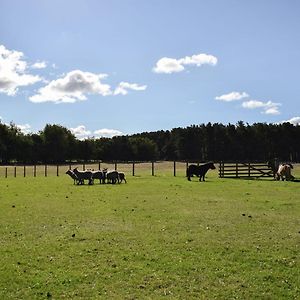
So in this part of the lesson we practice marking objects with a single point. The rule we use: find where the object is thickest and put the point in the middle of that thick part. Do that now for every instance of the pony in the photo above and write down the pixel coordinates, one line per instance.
(284, 172)
(199, 171)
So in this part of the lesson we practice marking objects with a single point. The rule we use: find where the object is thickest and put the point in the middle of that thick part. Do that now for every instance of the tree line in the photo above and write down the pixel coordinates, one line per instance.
(204, 142)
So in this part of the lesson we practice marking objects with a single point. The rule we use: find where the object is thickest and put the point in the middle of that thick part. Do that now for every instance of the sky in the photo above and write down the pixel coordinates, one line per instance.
(119, 67)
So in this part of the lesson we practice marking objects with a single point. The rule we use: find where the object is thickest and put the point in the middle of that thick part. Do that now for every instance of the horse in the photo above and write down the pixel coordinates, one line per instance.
(84, 175)
(284, 172)
(199, 171)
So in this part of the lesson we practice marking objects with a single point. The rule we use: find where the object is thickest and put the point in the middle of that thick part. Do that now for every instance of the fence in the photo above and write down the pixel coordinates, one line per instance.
(175, 168)
(240, 170)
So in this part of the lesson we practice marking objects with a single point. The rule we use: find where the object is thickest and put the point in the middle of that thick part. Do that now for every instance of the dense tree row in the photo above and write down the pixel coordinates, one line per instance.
(240, 142)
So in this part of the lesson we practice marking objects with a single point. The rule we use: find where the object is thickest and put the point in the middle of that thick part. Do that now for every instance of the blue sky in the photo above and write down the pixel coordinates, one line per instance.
(102, 68)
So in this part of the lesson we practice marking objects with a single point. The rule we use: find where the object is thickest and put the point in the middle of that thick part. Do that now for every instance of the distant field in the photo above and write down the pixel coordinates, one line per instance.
(155, 237)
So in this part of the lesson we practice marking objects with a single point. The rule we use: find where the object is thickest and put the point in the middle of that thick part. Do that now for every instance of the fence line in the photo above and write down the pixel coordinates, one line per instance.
(240, 169)
(130, 168)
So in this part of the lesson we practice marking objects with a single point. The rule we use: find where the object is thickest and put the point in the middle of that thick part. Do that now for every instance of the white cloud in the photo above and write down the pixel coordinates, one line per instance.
(233, 96)
(269, 108)
(107, 132)
(25, 128)
(81, 132)
(73, 87)
(13, 72)
(39, 65)
(252, 104)
(171, 65)
(294, 121)
(168, 66)
(123, 87)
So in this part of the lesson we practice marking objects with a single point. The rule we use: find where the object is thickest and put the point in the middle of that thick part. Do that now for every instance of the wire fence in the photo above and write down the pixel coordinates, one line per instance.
(157, 168)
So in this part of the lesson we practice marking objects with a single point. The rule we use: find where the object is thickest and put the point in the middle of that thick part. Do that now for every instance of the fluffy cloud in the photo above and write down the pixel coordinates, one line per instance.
(107, 132)
(123, 87)
(25, 128)
(269, 108)
(73, 87)
(81, 132)
(171, 65)
(39, 65)
(294, 121)
(233, 96)
(13, 72)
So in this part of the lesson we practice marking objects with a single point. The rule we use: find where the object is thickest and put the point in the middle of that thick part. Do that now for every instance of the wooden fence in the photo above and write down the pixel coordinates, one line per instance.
(240, 170)
(130, 168)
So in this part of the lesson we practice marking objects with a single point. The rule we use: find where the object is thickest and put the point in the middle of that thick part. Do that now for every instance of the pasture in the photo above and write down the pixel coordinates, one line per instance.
(155, 237)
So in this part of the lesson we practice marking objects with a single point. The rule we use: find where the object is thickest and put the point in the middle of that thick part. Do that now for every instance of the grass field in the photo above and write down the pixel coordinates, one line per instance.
(155, 237)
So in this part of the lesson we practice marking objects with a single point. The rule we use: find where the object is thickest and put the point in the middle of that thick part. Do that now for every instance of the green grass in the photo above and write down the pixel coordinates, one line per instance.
(152, 238)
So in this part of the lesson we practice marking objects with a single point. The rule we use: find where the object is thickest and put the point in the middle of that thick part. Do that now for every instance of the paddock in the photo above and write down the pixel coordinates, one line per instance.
(154, 237)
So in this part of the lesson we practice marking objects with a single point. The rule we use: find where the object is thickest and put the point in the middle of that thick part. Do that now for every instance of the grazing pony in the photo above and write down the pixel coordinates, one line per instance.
(73, 176)
(284, 172)
(84, 175)
(199, 171)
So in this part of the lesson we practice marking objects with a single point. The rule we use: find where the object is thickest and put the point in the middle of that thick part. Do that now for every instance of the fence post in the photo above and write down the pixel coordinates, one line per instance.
(249, 169)
(99, 166)
(236, 170)
(57, 170)
(34, 171)
(174, 168)
(83, 166)
(70, 166)
(24, 171)
(133, 169)
(46, 171)
(6, 172)
(152, 167)
(116, 166)
(15, 172)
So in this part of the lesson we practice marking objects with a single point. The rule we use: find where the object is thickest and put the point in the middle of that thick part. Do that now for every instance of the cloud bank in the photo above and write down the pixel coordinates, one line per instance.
(171, 65)
(268, 108)
(82, 133)
(76, 85)
(13, 72)
(294, 121)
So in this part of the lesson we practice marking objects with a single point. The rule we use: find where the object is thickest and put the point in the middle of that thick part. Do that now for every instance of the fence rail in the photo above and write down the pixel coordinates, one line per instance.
(239, 170)
(131, 168)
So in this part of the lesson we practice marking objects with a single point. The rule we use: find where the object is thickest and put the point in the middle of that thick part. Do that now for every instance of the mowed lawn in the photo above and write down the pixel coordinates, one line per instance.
(155, 237)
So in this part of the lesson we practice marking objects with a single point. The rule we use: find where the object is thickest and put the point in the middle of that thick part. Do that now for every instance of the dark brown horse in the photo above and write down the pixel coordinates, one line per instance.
(199, 171)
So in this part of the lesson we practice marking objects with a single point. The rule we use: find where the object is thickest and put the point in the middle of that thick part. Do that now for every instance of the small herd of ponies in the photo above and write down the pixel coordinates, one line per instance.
(104, 176)
(280, 172)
